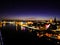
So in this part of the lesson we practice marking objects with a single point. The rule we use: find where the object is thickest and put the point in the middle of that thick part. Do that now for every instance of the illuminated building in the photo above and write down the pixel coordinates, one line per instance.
(51, 20)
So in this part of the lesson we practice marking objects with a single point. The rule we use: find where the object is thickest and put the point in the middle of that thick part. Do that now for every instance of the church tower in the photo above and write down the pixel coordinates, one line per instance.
(51, 20)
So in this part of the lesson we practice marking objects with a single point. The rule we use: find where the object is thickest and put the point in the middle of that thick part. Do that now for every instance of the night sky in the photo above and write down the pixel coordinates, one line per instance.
(30, 9)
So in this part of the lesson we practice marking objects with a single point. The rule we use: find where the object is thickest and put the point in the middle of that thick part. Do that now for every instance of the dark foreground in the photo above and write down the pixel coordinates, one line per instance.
(12, 37)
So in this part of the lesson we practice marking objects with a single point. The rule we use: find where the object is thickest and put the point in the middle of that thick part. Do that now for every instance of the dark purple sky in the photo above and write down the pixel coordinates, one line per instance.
(37, 9)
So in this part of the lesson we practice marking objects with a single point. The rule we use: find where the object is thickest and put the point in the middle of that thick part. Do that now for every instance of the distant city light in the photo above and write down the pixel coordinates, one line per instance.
(11, 22)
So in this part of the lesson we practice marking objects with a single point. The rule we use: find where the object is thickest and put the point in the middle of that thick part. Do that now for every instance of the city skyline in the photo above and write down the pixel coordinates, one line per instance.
(29, 17)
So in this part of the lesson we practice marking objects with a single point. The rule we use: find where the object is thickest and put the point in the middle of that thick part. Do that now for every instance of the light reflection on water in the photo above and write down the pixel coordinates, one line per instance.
(23, 29)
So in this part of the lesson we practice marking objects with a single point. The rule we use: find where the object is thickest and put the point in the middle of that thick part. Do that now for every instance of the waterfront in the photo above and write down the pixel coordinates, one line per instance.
(22, 33)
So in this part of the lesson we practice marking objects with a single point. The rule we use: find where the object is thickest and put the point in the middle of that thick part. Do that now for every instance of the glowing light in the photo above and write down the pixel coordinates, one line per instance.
(22, 28)
(0, 24)
(58, 42)
(46, 34)
(41, 35)
(47, 26)
(30, 30)
(4, 22)
(21, 23)
(58, 37)
(17, 23)
(37, 34)
(49, 39)
(12, 22)
(49, 35)
(29, 22)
